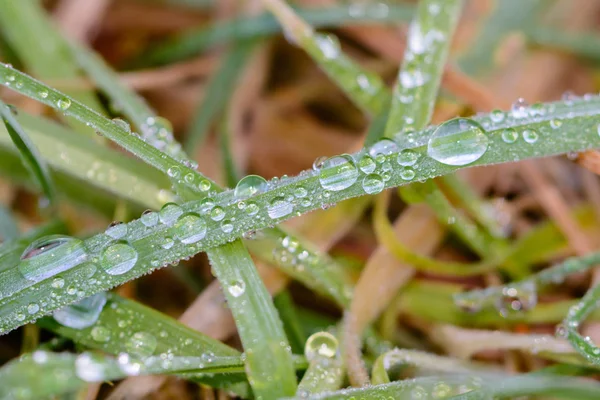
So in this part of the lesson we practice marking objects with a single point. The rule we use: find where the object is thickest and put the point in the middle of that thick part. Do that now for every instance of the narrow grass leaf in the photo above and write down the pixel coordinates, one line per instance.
(29, 154)
(581, 44)
(8, 226)
(268, 356)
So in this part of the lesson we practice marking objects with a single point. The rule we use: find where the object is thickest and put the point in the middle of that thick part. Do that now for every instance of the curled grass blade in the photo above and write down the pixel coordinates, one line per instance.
(202, 39)
(29, 154)
(325, 368)
(578, 120)
(268, 359)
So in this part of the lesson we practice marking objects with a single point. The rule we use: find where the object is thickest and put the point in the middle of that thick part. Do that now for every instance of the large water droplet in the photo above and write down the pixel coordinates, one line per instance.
(367, 164)
(51, 255)
(149, 218)
(141, 344)
(320, 344)
(249, 186)
(338, 173)
(279, 207)
(372, 184)
(510, 135)
(116, 230)
(118, 258)
(407, 158)
(63, 104)
(530, 136)
(190, 228)
(122, 124)
(382, 148)
(169, 213)
(82, 314)
(236, 288)
(459, 141)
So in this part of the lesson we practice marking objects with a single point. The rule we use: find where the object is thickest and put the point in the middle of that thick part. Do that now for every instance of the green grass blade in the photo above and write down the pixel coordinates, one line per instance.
(581, 44)
(291, 323)
(29, 153)
(176, 169)
(219, 89)
(152, 128)
(325, 369)
(8, 226)
(577, 119)
(197, 41)
(428, 44)
(268, 356)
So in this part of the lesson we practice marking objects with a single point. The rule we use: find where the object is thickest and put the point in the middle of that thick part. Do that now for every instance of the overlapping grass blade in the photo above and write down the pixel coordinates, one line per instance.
(29, 154)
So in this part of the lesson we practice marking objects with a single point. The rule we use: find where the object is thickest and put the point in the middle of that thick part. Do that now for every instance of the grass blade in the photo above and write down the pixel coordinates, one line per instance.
(268, 358)
(29, 154)
(8, 226)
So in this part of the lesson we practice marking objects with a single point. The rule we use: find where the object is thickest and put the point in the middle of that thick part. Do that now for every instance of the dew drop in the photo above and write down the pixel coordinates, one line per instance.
(366, 164)
(63, 104)
(320, 344)
(226, 226)
(32, 308)
(300, 192)
(519, 108)
(91, 367)
(116, 230)
(279, 207)
(318, 163)
(382, 148)
(51, 255)
(236, 288)
(249, 186)
(251, 209)
(58, 283)
(82, 314)
(149, 218)
(141, 344)
(204, 185)
(555, 123)
(530, 136)
(118, 258)
(167, 243)
(169, 213)
(517, 298)
(122, 124)
(174, 172)
(190, 228)
(407, 174)
(100, 334)
(217, 213)
(407, 158)
(510, 135)
(43, 94)
(459, 141)
(372, 184)
(497, 116)
(338, 173)
(328, 45)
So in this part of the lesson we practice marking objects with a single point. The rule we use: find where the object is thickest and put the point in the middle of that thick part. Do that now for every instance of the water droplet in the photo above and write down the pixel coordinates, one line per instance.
(338, 173)
(118, 258)
(149, 218)
(43, 94)
(407, 174)
(252, 209)
(497, 116)
(561, 331)
(117, 230)
(320, 344)
(517, 298)
(169, 213)
(509, 135)
(519, 108)
(382, 148)
(249, 186)
(328, 45)
(530, 136)
(100, 334)
(190, 228)
(468, 302)
(366, 164)
(167, 243)
(51, 255)
(555, 123)
(408, 158)
(459, 141)
(91, 367)
(226, 226)
(236, 288)
(174, 172)
(412, 78)
(141, 344)
(300, 192)
(33, 308)
(63, 104)
(122, 124)
(372, 184)
(318, 163)
(204, 185)
(82, 314)
(58, 283)
(279, 207)
(217, 213)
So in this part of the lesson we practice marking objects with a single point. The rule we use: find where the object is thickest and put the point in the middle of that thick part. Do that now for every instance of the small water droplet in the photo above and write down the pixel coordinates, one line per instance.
(58, 283)
(459, 141)
(122, 124)
(407, 158)
(517, 298)
(117, 230)
(497, 116)
(236, 288)
(174, 172)
(555, 123)
(51, 255)
(251, 209)
(366, 164)
(320, 344)
(530, 136)
(300, 192)
(149, 218)
(100, 334)
(510, 135)
(373, 184)
(141, 344)
(407, 174)
(279, 207)
(249, 186)
(338, 173)
(318, 163)
(328, 45)
(519, 108)
(190, 228)
(63, 104)
(204, 185)
(82, 314)
(217, 213)
(91, 367)
(43, 94)
(167, 242)
(226, 226)
(32, 308)
(118, 258)
(169, 213)
(382, 148)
